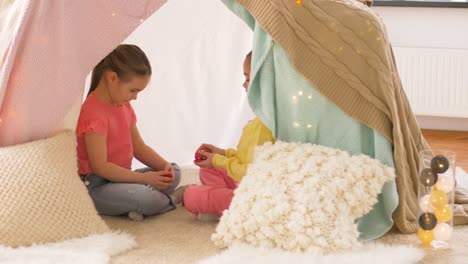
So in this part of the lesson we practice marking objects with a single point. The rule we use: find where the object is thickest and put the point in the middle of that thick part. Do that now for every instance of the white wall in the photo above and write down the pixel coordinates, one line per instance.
(196, 49)
(426, 27)
(429, 28)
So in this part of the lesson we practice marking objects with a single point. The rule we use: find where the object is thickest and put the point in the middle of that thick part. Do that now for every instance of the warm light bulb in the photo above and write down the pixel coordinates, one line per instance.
(442, 232)
(427, 221)
(428, 177)
(443, 214)
(425, 204)
(446, 182)
(439, 199)
(425, 236)
(440, 164)
(299, 2)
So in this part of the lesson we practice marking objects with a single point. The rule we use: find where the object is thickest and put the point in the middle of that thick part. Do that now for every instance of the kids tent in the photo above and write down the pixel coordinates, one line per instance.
(51, 52)
(196, 58)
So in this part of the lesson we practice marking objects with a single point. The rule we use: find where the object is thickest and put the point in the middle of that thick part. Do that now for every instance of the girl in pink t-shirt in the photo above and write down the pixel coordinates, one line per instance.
(108, 139)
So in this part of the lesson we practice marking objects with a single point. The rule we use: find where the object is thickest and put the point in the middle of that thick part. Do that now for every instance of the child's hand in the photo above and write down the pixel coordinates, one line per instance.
(207, 163)
(168, 167)
(160, 180)
(210, 148)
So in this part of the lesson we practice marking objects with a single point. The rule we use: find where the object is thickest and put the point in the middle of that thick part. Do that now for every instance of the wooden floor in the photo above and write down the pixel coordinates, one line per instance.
(450, 140)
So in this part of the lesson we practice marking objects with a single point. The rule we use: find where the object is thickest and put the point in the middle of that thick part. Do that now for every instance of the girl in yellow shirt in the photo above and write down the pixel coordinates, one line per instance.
(222, 169)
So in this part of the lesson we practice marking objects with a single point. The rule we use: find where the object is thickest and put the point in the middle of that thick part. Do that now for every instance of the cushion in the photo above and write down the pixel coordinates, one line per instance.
(43, 198)
(302, 197)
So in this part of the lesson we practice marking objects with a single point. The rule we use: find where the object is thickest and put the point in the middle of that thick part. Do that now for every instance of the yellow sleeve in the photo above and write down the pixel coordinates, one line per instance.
(230, 152)
(233, 165)
(255, 133)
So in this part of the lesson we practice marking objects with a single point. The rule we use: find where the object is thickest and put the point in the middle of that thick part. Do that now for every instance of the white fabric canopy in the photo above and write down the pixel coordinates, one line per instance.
(196, 49)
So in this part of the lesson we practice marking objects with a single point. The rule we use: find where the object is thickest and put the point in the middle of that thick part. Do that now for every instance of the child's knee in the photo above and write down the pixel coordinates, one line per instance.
(151, 201)
(176, 167)
(193, 199)
(190, 193)
(177, 173)
(204, 171)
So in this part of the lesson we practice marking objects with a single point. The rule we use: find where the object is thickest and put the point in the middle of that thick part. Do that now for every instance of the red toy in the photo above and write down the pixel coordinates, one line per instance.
(199, 157)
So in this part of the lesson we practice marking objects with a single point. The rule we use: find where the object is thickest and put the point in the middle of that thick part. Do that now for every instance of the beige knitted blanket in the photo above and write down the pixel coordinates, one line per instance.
(342, 48)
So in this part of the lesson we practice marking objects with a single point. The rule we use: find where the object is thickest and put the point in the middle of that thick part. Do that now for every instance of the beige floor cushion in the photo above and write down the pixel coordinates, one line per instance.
(42, 198)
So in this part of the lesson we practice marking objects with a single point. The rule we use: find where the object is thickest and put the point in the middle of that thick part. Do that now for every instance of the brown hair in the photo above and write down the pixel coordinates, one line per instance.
(125, 60)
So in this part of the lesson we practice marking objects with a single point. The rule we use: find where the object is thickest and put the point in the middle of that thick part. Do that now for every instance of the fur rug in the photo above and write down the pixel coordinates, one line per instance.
(91, 249)
(241, 253)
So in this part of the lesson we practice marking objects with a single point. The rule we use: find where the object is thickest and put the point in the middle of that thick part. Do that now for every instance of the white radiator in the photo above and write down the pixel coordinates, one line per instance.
(435, 80)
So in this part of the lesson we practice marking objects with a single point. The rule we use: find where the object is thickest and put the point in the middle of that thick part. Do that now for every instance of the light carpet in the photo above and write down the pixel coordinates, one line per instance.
(177, 237)
(367, 255)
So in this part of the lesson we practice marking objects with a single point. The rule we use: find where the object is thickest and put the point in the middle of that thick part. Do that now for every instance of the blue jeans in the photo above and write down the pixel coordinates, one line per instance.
(111, 198)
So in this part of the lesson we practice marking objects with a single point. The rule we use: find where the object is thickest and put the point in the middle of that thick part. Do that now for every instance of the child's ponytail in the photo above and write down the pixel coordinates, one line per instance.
(96, 76)
(125, 60)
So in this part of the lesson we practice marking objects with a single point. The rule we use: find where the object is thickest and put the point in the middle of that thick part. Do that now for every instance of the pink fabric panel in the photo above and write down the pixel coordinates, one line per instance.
(57, 45)
(15, 17)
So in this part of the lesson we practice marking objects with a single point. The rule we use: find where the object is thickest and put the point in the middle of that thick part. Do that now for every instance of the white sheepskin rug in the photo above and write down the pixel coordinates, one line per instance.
(302, 198)
(95, 249)
(241, 253)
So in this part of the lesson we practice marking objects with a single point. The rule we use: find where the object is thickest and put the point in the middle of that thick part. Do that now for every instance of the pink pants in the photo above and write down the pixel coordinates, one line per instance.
(213, 196)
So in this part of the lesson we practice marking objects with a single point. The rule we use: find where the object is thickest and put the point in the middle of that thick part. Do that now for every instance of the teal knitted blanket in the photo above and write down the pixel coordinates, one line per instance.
(296, 112)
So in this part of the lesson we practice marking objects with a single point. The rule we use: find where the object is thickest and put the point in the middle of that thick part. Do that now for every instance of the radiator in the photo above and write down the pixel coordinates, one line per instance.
(435, 80)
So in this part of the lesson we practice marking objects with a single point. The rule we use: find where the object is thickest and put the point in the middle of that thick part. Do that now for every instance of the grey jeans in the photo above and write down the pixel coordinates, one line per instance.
(111, 198)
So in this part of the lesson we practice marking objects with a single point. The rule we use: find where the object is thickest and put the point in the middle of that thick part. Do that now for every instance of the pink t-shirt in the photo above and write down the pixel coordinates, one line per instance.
(113, 122)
